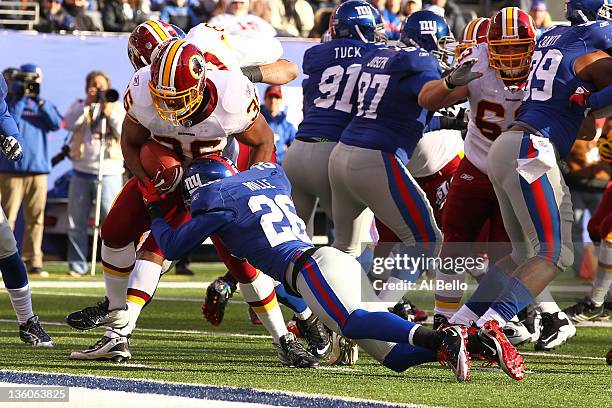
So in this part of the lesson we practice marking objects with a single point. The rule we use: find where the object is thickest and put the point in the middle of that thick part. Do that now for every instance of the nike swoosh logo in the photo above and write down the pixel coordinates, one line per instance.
(454, 333)
(323, 350)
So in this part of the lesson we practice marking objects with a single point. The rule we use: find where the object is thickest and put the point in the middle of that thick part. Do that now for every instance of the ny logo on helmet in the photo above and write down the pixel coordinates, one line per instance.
(428, 27)
(364, 10)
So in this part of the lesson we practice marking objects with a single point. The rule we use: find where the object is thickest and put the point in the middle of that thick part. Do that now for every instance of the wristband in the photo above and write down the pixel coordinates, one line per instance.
(253, 73)
(447, 83)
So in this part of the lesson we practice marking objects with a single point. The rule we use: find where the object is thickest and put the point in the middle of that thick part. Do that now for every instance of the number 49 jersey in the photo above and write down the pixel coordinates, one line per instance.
(493, 107)
(265, 230)
(233, 108)
(552, 81)
(329, 101)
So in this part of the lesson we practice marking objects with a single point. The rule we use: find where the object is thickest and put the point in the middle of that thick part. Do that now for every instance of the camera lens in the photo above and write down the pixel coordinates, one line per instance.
(111, 95)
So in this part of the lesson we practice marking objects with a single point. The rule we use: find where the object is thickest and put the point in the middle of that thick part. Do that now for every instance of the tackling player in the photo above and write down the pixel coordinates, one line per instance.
(568, 62)
(253, 213)
(182, 107)
(12, 267)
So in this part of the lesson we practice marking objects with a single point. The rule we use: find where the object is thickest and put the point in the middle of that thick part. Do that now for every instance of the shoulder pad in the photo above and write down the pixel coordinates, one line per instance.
(233, 88)
(412, 60)
(139, 87)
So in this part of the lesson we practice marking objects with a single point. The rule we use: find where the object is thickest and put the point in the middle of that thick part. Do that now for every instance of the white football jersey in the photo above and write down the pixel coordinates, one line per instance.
(250, 24)
(492, 108)
(235, 106)
(231, 51)
(434, 151)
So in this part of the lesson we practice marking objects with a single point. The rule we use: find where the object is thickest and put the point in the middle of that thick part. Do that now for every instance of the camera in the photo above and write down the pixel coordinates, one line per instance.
(110, 95)
(26, 84)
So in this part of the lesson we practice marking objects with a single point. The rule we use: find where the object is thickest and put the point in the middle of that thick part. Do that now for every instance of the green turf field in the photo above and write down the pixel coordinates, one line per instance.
(173, 343)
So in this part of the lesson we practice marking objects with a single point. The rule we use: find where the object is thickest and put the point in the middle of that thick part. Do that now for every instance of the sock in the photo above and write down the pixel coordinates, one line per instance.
(13, 272)
(142, 284)
(294, 303)
(603, 280)
(465, 316)
(117, 263)
(384, 326)
(260, 295)
(545, 302)
(403, 356)
(491, 314)
(514, 298)
(447, 300)
(21, 299)
(488, 290)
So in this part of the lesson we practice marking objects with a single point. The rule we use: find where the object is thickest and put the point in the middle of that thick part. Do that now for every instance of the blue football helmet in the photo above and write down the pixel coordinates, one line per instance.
(204, 170)
(581, 11)
(359, 20)
(427, 30)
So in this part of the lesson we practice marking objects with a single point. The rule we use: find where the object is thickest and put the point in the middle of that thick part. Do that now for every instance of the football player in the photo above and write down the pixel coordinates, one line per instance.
(596, 306)
(11, 266)
(176, 103)
(568, 61)
(253, 213)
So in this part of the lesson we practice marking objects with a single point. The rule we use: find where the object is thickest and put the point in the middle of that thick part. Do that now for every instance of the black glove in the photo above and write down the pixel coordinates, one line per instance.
(11, 148)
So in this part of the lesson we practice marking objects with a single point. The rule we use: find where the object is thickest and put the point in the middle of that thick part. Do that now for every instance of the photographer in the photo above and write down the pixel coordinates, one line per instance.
(84, 119)
(25, 181)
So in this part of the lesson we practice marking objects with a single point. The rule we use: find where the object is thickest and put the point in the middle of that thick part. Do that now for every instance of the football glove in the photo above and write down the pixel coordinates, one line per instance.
(462, 74)
(580, 97)
(218, 294)
(10, 148)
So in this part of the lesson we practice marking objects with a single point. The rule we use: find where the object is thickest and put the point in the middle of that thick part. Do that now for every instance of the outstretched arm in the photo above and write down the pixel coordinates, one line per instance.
(177, 243)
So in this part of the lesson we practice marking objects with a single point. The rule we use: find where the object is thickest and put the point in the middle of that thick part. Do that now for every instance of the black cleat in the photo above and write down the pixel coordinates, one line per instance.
(116, 349)
(32, 332)
(218, 294)
(532, 321)
(98, 315)
(556, 330)
(453, 351)
(408, 311)
(584, 310)
(316, 334)
(291, 353)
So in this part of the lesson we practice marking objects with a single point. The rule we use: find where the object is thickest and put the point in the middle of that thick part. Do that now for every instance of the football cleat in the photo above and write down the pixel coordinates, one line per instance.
(516, 332)
(609, 357)
(408, 311)
(497, 349)
(584, 310)
(344, 351)
(316, 334)
(453, 351)
(291, 353)
(32, 332)
(98, 315)
(439, 320)
(556, 330)
(218, 293)
(607, 312)
(116, 349)
(532, 320)
(253, 317)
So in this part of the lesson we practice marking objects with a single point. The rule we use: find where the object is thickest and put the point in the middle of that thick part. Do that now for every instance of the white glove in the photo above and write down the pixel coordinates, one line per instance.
(10, 147)
(462, 74)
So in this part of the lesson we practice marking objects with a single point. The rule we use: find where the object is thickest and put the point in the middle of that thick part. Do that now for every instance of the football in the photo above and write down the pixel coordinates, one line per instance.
(161, 164)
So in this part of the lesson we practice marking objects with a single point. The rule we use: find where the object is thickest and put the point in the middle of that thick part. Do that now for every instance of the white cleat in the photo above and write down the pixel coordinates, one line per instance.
(556, 330)
(516, 332)
(116, 349)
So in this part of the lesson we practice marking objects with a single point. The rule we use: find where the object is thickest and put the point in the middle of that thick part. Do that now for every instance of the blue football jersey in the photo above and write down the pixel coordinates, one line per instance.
(265, 229)
(329, 101)
(552, 81)
(388, 116)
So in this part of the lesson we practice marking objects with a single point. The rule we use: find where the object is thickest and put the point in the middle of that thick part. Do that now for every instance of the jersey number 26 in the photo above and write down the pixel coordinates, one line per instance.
(281, 224)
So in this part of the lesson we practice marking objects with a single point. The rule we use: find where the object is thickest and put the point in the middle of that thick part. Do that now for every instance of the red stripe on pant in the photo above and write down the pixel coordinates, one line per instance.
(241, 270)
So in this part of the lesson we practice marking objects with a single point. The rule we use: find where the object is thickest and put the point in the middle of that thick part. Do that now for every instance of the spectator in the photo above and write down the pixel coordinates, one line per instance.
(541, 17)
(77, 10)
(294, 18)
(84, 120)
(587, 179)
(321, 22)
(25, 182)
(54, 17)
(272, 109)
(118, 16)
(411, 6)
(178, 13)
(391, 14)
(452, 14)
(237, 20)
(391, 31)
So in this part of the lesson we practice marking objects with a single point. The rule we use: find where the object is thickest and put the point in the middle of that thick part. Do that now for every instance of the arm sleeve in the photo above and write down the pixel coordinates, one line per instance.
(416, 82)
(52, 118)
(256, 50)
(8, 126)
(177, 243)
